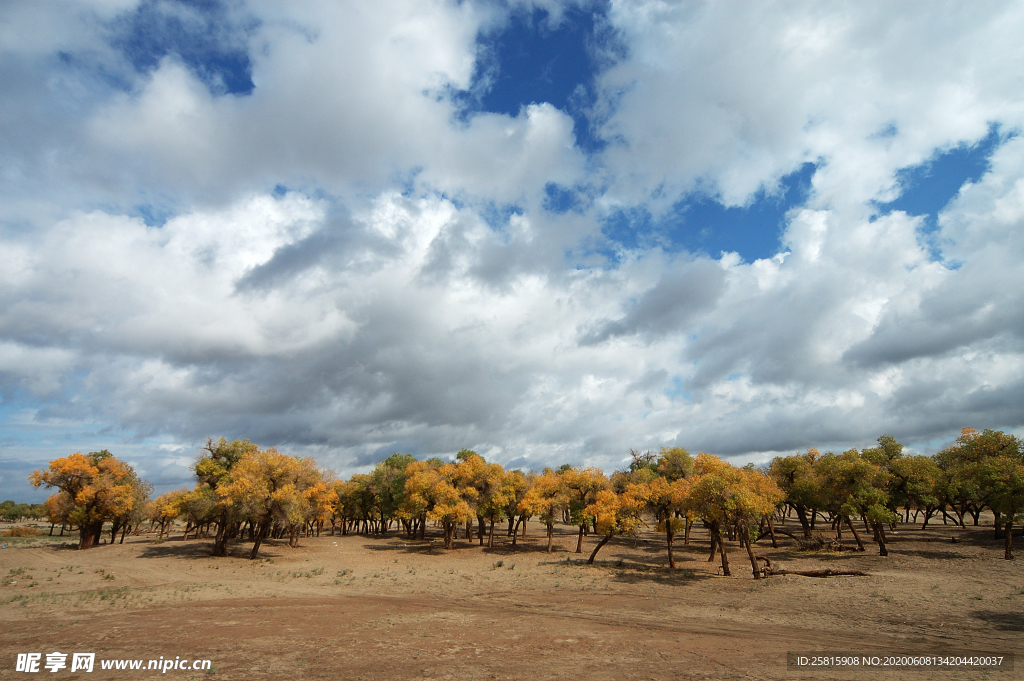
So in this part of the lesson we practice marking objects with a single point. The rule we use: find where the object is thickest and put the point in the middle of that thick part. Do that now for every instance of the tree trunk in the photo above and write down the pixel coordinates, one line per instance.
(880, 538)
(490, 535)
(725, 556)
(87, 535)
(480, 528)
(261, 532)
(860, 544)
(686, 532)
(579, 542)
(771, 531)
(449, 533)
(802, 516)
(745, 540)
(669, 536)
(714, 544)
(1008, 539)
(597, 548)
(551, 533)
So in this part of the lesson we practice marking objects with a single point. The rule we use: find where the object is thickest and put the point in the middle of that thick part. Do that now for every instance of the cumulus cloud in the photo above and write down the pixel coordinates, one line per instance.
(345, 261)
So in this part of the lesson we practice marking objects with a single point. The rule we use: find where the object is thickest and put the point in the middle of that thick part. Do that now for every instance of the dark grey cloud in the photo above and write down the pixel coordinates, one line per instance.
(976, 303)
(686, 289)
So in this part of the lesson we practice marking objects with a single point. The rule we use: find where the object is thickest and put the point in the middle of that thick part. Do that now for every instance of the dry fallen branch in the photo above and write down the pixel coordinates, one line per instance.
(820, 573)
(769, 570)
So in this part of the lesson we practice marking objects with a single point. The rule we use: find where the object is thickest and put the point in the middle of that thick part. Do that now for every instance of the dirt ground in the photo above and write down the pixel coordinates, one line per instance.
(367, 608)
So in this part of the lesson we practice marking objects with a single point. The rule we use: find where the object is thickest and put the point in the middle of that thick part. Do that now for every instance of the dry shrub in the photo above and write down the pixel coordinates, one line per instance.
(22, 532)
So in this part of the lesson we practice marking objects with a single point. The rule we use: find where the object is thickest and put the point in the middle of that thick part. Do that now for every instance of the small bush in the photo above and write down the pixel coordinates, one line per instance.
(22, 532)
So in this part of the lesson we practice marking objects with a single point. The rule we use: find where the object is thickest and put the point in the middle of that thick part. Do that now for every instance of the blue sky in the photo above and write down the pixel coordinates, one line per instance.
(549, 231)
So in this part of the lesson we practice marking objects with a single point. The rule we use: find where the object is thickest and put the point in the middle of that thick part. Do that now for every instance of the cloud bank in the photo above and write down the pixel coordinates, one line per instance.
(302, 225)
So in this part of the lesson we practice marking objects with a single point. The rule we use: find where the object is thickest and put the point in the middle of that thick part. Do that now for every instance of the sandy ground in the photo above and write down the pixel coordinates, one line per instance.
(359, 607)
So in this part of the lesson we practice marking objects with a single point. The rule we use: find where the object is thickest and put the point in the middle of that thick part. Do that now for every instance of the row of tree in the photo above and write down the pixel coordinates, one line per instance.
(244, 491)
(12, 511)
(981, 470)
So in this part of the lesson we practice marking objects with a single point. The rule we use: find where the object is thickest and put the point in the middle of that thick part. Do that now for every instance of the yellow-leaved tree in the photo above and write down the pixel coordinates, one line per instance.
(267, 487)
(213, 471)
(724, 495)
(617, 513)
(581, 486)
(94, 488)
(431, 491)
(545, 498)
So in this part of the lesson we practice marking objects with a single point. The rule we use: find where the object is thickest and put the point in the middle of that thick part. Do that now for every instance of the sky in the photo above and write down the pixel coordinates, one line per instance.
(549, 231)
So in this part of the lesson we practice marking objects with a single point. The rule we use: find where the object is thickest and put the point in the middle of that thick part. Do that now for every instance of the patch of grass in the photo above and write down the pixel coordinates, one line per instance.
(499, 564)
(22, 532)
(108, 576)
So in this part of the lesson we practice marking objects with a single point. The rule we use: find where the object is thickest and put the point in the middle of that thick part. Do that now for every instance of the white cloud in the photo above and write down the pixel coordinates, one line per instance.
(409, 290)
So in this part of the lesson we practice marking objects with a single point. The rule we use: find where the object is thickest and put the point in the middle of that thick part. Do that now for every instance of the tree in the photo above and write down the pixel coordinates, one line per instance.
(431, 491)
(321, 500)
(213, 470)
(58, 510)
(164, 510)
(197, 507)
(581, 487)
(1004, 475)
(96, 487)
(267, 486)
(516, 486)
(667, 494)
(915, 481)
(856, 487)
(616, 513)
(545, 499)
(797, 477)
(387, 484)
(496, 491)
(979, 467)
(471, 479)
(724, 495)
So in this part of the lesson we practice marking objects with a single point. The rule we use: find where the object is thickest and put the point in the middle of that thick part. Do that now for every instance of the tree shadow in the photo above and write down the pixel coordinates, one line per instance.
(1006, 621)
(201, 548)
(417, 546)
(937, 554)
(638, 573)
